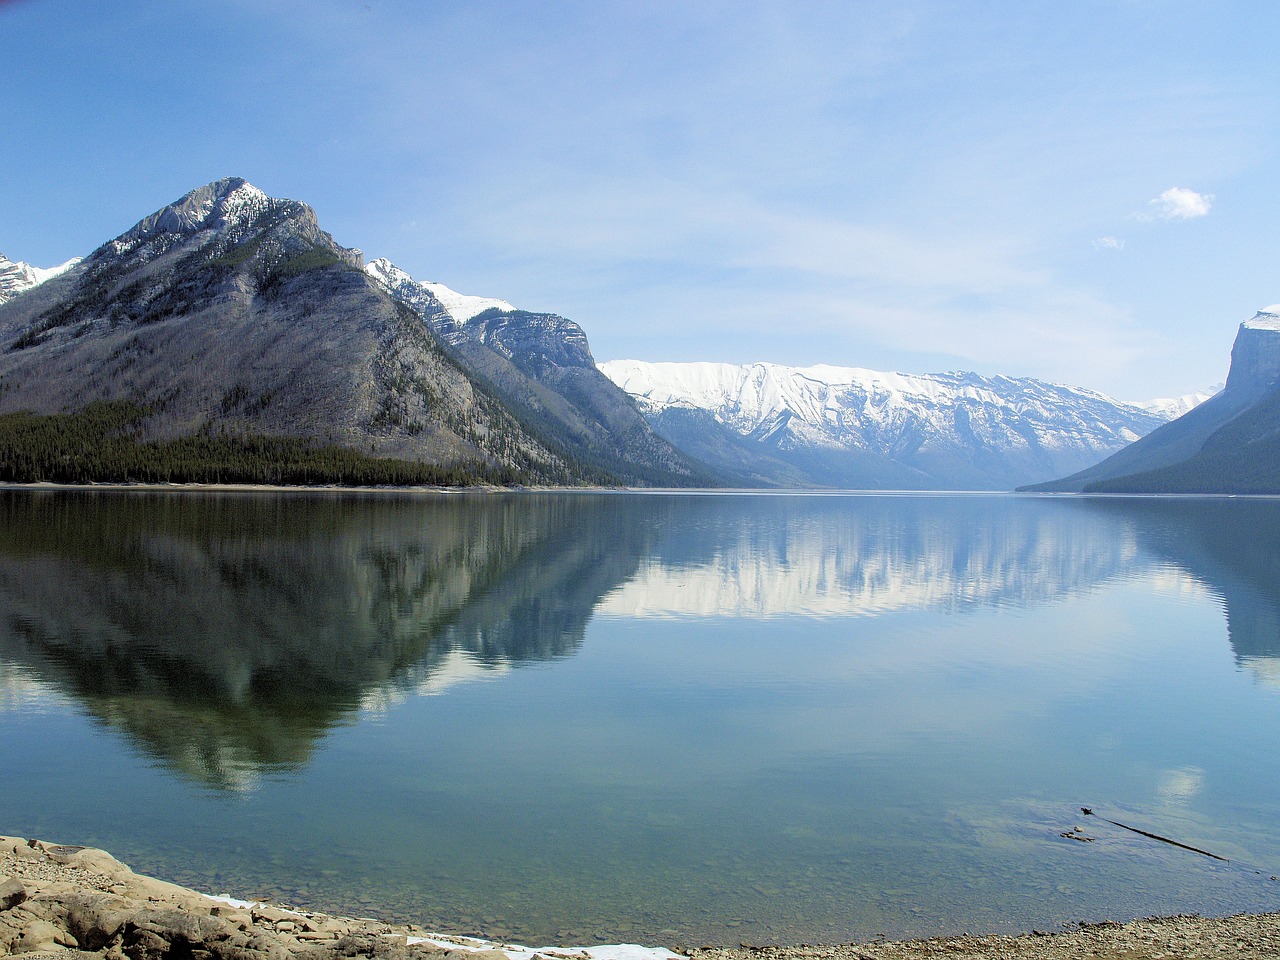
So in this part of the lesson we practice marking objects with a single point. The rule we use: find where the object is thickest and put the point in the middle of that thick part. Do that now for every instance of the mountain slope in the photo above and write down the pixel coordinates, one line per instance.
(850, 427)
(541, 366)
(232, 312)
(1205, 449)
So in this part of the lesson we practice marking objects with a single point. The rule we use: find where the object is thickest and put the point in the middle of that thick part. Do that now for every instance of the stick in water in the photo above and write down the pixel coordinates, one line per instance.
(1088, 812)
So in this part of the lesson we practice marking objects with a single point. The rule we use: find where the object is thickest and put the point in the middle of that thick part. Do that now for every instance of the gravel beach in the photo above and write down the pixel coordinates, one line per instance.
(71, 901)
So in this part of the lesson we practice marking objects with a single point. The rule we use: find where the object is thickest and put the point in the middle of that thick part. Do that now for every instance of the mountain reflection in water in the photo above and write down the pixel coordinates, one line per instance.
(225, 634)
(1232, 546)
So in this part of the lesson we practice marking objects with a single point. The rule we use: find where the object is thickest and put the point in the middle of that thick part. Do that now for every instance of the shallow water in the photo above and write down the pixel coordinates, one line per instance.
(653, 717)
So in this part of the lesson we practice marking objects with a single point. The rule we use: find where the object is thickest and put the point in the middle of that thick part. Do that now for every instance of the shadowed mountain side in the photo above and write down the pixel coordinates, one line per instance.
(1229, 546)
(1228, 444)
(226, 634)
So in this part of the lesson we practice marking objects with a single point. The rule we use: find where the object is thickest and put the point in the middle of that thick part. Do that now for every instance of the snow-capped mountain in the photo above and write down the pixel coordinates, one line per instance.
(16, 278)
(1171, 408)
(847, 426)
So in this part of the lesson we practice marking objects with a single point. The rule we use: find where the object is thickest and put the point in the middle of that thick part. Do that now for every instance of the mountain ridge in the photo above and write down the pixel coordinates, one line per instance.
(541, 366)
(18, 277)
(230, 313)
(860, 426)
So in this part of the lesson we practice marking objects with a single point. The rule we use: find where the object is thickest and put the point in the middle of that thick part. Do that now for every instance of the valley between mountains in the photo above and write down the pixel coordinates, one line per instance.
(228, 338)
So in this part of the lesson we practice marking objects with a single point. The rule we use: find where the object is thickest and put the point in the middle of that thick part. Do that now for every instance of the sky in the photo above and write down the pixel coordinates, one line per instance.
(1081, 192)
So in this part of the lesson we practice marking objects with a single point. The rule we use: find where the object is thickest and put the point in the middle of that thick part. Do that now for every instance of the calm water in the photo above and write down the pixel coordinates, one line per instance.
(663, 718)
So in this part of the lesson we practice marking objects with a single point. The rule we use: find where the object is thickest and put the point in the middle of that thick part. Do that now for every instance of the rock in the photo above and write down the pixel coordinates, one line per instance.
(12, 893)
(313, 936)
(241, 919)
(273, 914)
(95, 921)
(476, 955)
(372, 945)
(41, 935)
(17, 847)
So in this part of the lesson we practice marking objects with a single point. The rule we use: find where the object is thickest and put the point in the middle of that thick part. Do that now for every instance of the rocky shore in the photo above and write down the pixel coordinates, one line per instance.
(70, 901)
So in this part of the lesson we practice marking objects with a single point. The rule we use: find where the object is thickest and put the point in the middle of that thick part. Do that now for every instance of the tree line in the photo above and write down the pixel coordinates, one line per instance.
(103, 444)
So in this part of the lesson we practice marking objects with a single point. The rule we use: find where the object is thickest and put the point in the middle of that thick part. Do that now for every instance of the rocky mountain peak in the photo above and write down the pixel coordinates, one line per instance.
(219, 205)
(219, 217)
(1255, 356)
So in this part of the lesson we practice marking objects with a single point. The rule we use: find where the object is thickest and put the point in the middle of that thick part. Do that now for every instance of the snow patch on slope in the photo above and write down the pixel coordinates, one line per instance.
(1171, 408)
(18, 277)
(1268, 318)
(462, 307)
(459, 306)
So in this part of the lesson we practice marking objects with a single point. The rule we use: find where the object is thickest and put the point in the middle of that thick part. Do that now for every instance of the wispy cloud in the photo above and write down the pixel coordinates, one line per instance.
(1108, 243)
(1179, 203)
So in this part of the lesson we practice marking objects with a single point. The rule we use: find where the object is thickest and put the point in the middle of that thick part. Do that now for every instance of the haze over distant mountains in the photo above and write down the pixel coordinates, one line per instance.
(231, 314)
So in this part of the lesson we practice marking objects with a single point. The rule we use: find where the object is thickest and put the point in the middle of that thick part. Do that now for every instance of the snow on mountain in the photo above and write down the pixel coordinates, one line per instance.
(1171, 408)
(1268, 318)
(462, 307)
(423, 302)
(955, 428)
(458, 306)
(841, 406)
(16, 278)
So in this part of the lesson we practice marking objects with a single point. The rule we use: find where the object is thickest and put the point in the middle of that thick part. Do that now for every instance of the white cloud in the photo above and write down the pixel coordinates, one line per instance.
(1179, 203)
(1109, 243)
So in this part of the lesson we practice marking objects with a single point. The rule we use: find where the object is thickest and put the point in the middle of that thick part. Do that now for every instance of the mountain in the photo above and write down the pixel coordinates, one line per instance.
(848, 427)
(1228, 444)
(1171, 408)
(540, 365)
(231, 314)
(16, 278)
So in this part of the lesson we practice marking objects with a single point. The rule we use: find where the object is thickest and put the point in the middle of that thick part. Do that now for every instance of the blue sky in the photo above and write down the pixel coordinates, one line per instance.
(1082, 192)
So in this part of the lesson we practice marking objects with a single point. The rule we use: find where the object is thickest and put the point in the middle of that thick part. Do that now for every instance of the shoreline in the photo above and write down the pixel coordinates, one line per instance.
(73, 901)
(488, 489)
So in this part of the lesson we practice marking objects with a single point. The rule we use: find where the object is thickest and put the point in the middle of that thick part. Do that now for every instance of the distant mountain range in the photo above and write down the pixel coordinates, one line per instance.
(1228, 444)
(228, 326)
(839, 426)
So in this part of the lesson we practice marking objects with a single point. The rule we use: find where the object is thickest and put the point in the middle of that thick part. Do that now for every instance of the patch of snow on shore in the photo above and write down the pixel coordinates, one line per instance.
(614, 951)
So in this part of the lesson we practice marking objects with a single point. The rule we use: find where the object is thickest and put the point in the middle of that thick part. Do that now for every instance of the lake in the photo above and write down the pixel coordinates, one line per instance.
(664, 718)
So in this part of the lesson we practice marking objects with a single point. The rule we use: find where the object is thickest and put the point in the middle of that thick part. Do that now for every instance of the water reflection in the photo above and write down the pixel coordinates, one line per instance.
(1232, 546)
(226, 634)
(853, 556)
